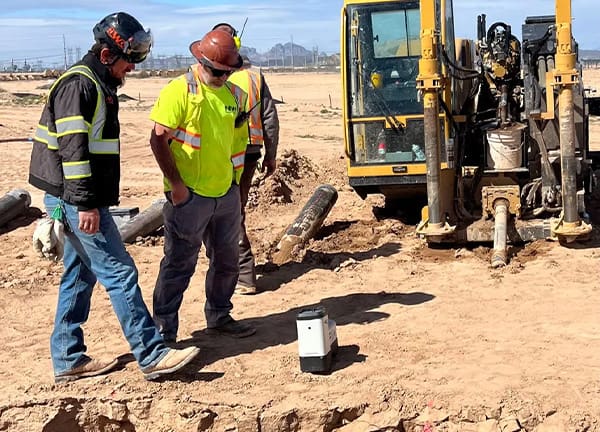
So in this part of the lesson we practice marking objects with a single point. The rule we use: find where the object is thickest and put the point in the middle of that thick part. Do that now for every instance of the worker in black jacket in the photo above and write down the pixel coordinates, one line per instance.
(75, 160)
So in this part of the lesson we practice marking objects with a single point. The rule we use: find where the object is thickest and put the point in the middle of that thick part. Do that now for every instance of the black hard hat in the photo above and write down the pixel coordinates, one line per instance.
(125, 36)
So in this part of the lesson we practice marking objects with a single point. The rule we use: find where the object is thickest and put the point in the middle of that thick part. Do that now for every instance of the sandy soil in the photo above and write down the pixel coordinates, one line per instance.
(430, 339)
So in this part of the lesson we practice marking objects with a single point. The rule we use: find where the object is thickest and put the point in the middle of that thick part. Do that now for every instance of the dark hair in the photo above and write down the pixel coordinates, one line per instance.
(97, 48)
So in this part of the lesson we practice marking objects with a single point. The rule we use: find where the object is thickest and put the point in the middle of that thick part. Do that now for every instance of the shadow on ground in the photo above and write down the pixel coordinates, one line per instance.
(280, 328)
(274, 276)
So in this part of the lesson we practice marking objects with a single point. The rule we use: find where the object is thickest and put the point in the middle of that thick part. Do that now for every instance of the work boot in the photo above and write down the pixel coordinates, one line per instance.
(88, 369)
(233, 328)
(245, 289)
(172, 362)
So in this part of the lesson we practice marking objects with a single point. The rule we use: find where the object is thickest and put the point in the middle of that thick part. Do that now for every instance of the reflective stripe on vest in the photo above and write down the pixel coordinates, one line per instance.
(194, 139)
(183, 136)
(252, 86)
(238, 160)
(238, 93)
(187, 138)
(255, 121)
(76, 124)
(191, 83)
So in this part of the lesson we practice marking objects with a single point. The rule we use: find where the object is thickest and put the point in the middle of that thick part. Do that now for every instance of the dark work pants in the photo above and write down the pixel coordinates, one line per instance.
(216, 222)
(247, 265)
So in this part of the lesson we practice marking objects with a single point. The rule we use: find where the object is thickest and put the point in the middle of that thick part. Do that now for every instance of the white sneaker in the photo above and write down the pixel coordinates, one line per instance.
(172, 362)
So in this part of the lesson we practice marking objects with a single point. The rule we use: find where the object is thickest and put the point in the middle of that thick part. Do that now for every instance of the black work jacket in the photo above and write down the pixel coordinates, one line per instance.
(76, 96)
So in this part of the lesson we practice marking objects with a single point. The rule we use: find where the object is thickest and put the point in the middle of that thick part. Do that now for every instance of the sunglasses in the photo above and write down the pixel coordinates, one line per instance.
(218, 73)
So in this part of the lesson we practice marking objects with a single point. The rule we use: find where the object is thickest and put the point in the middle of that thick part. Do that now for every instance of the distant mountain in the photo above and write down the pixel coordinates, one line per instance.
(589, 54)
(280, 55)
(286, 54)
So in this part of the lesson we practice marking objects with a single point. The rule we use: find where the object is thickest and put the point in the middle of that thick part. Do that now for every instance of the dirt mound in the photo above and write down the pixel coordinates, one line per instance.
(518, 255)
(293, 172)
(356, 236)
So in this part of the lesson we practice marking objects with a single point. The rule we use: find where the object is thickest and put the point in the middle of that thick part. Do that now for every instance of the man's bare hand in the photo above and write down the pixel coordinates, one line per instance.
(179, 194)
(89, 221)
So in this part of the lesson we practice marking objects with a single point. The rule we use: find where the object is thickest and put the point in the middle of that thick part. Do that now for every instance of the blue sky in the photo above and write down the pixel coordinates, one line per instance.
(35, 28)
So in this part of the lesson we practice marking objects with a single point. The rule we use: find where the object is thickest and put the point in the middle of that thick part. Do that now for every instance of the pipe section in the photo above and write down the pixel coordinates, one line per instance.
(13, 204)
(499, 255)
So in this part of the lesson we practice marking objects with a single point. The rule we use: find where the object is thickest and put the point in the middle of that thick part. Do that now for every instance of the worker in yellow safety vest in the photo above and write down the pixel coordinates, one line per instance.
(199, 141)
(263, 125)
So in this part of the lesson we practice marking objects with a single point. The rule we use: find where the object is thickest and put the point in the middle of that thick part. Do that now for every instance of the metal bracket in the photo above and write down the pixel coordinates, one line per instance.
(429, 82)
(434, 232)
(489, 194)
(564, 78)
(570, 231)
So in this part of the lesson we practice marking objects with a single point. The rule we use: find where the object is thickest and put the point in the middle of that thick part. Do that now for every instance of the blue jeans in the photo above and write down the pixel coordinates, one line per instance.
(216, 222)
(103, 257)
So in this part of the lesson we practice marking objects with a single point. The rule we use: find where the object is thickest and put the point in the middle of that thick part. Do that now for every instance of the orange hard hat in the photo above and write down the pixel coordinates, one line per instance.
(218, 50)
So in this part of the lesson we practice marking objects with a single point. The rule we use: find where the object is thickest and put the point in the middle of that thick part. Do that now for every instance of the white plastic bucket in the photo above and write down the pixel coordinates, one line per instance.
(505, 147)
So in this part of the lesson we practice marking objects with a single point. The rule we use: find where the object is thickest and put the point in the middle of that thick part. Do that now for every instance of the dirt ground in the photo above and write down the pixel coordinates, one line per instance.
(430, 339)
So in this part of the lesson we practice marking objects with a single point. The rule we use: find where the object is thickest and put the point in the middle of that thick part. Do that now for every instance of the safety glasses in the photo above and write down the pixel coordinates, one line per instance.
(137, 47)
(217, 73)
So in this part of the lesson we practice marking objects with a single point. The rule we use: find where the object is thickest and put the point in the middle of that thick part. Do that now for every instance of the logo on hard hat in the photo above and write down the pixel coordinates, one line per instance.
(116, 37)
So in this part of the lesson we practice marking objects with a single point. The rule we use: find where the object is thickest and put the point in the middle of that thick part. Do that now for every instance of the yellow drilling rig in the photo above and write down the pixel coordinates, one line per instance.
(491, 135)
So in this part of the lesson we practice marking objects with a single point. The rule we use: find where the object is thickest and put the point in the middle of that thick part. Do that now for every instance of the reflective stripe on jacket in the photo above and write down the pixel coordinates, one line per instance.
(75, 154)
(77, 124)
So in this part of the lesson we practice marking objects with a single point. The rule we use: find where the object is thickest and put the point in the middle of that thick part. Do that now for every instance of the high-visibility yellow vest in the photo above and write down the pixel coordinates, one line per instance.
(208, 150)
(251, 83)
(76, 124)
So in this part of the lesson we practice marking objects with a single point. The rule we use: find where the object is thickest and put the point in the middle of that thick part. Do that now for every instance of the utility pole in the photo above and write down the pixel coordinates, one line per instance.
(65, 50)
(292, 51)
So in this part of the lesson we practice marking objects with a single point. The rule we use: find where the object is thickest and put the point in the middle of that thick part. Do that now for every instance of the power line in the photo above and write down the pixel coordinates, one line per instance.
(30, 58)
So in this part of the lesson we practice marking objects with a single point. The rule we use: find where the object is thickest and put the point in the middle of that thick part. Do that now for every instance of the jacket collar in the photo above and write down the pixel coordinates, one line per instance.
(101, 70)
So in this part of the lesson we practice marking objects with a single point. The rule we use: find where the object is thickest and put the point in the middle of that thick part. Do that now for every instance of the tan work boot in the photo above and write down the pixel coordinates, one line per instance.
(172, 362)
(245, 289)
(90, 368)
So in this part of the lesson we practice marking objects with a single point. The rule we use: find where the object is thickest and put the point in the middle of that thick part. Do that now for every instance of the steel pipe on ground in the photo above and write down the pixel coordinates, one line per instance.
(307, 223)
(143, 223)
(500, 230)
(13, 204)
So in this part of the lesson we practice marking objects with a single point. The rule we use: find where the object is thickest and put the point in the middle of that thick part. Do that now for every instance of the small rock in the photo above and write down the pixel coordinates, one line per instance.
(114, 410)
(510, 425)
(432, 415)
(555, 423)
(207, 419)
(488, 426)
